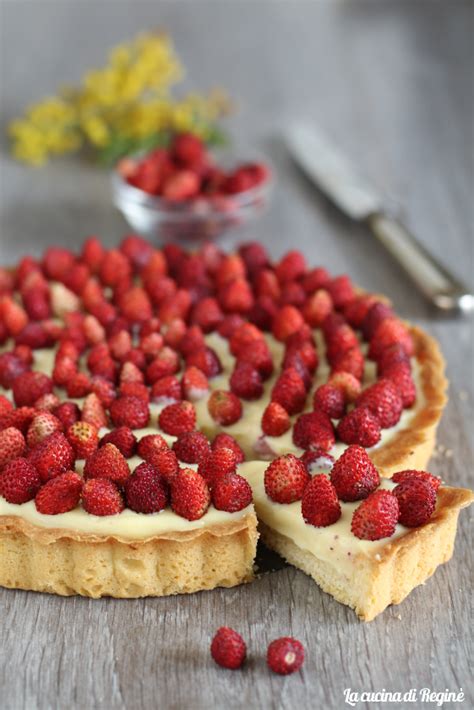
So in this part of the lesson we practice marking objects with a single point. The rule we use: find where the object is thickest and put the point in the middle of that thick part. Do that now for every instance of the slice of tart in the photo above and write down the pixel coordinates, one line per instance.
(367, 575)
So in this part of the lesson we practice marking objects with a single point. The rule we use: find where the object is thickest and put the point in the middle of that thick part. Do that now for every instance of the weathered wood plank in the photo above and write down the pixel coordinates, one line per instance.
(392, 82)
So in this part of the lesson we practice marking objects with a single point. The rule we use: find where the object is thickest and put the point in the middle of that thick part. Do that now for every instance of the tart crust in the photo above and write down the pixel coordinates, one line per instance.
(68, 562)
(390, 576)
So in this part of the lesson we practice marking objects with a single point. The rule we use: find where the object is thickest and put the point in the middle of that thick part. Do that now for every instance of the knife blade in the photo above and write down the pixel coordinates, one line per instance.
(329, 169)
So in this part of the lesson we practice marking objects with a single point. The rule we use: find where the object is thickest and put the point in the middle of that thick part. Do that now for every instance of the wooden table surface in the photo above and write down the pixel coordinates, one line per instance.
(391, 81)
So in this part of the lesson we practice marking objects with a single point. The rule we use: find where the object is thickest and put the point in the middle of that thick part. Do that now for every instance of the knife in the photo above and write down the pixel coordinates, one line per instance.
(334, 175)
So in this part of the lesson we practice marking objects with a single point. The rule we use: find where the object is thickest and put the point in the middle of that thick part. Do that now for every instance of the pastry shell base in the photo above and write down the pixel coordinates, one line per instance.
(65, 562)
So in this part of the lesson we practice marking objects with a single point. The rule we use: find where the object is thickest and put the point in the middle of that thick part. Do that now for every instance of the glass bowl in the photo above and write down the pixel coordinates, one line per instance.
(199, 219)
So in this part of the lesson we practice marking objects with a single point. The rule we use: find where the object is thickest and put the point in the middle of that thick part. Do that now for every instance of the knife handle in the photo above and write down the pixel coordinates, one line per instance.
(440, 287)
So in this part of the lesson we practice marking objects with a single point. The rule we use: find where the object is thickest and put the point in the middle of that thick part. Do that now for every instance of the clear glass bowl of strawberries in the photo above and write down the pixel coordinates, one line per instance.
(186, 193)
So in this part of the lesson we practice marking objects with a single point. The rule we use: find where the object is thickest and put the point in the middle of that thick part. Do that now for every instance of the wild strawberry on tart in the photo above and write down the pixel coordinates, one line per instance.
(129, 374)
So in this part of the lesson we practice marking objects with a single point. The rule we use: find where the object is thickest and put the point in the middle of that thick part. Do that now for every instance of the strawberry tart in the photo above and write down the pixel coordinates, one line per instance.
(155, 403)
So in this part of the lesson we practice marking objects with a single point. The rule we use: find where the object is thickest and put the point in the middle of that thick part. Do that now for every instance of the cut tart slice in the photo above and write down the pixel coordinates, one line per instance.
(367, 575)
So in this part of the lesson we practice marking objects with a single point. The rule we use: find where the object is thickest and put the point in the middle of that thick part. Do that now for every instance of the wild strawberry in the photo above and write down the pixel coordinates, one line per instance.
(232, 267)
(100, 496)
(236, 296)
(104, 389)
(34, 336)
(260, 357)
(376, 517)
(401, 377)
(60, 494)
(43, 425)
(92, 253)
(176, 419)
(275, 420)
(207, 314)
(317, 461)
(332, 323)
(120, 344)
(52, 456)
(65, 368)
(356, 310)
(389, 332)
(149, 445)
(166, 390)
(5, 406)
(13, 316)
(151, 344)
(12, 445)
(341, 290)
(114, 267)
(57, 261)
(354, 476)
(47, 402)
(347, 383)
(25, 353)
(181, 185)
(130, 373)
(166, 363)
(409, 475)
(285, 655)
(360, 426)
(175, 306)
(130, 411)
(194, 383)
(314, 430)
(191, 447)
(187, 149)
(291, 266)
(375, 315)
(29, 386)
(263, 313)
(206, 360)
(228, 648)
(315, 280)
(416, 501)
(246, 382)
(292, 294)
(190, 497)
(135, 389)
(78, 386)
(339, 341)
(320, 506)
(107, 462)
(285, 479)
(288, 320)
(137, 250)
(330, 400)
(224, 407)
(83, 438)
(93, 411)
(351, 361)
(266, 285)
(123, 438)
(134, 305)
(383, 400)
(226, 441)
(146, 490)
(11, 367)
(317, 307)
(289, 391)
(192, 341)
(218, 463)
(67, 413)
(229, 324)
(19, 481)
(231, 493)
(20, 418)
(255, 256)
(393, 356)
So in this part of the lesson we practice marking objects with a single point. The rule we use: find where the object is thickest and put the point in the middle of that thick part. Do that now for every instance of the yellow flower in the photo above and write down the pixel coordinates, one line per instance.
(130, 97)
